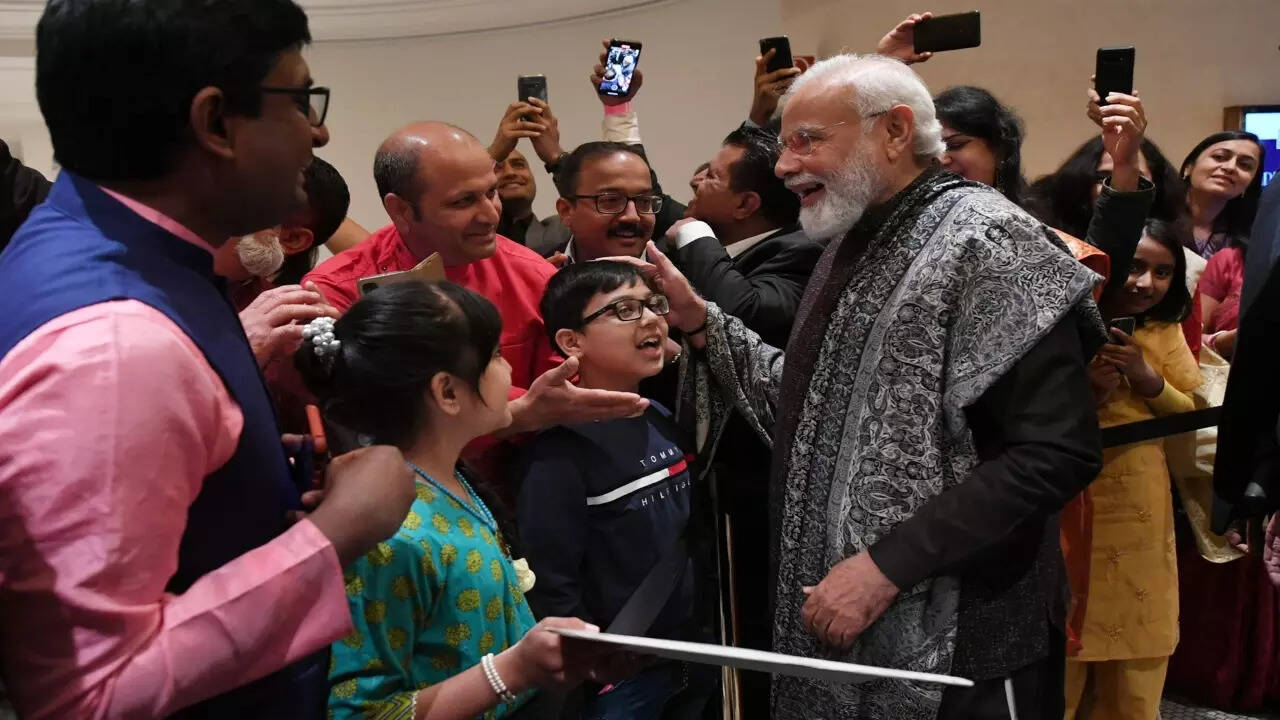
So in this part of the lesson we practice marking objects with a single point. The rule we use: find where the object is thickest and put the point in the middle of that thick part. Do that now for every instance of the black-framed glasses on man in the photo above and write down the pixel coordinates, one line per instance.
(615, 203)
(312, 101)
(631, 309)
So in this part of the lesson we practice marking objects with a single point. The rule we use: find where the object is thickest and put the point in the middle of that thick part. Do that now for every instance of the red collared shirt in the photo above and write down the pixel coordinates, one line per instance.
(513, 279)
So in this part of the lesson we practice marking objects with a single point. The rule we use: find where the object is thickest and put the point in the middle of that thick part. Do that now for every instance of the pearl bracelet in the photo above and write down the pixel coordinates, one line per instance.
(495, 681)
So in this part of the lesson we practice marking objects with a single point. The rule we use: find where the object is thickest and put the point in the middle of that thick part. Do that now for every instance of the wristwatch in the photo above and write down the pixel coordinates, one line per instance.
(554, 166)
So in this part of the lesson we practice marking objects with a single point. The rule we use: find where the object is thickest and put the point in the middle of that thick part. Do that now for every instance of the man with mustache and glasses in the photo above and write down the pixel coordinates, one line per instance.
(929, 417)
(607, 200)
(533, 119)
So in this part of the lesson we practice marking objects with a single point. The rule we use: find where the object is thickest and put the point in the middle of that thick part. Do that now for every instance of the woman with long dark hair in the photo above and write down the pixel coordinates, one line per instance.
(1065, 198)
(983, 139)
(1224, 181)
(1223, 174)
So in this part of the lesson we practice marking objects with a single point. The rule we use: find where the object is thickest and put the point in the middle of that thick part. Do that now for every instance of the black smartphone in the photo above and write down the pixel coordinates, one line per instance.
(1125, 325)
(782, 58)
(304, 465)
(528, 86)
(1114, 72)
(949, 32)
(619, 67)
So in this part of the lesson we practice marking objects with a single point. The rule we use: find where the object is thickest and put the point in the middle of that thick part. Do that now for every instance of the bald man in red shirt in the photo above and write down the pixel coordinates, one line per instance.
(440, 189)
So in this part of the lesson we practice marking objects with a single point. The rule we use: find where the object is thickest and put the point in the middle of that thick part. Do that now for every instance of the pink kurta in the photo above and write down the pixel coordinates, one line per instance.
(110, 419)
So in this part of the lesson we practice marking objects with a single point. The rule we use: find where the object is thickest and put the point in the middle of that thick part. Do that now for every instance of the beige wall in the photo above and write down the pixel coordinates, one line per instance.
(1194, 57)
(20, 123)
(697, 62)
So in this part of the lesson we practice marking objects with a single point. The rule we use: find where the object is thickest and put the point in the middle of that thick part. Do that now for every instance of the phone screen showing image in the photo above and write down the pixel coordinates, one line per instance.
(619, 68)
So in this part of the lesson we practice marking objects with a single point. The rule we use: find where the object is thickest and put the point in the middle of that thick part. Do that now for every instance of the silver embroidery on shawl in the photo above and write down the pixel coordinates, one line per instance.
(936, 311)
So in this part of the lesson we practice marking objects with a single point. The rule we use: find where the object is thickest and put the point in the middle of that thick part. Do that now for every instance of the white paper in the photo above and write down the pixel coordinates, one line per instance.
(770, 662)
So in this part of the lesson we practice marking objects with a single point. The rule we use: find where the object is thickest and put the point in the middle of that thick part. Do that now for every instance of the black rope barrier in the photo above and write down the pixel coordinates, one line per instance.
(1160, 427)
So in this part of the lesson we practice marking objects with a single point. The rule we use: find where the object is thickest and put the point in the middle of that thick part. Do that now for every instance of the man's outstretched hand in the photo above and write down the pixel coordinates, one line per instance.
(553, 400)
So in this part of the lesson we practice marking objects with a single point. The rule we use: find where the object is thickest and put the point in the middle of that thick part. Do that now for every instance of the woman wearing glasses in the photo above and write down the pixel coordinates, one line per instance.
(602, 505)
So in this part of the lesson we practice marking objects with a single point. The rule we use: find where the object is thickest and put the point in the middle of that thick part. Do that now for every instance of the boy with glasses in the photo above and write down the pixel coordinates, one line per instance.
(603, 504)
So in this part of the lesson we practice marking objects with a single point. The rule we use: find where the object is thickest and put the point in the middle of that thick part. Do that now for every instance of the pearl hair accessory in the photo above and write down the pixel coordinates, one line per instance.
(324, 344)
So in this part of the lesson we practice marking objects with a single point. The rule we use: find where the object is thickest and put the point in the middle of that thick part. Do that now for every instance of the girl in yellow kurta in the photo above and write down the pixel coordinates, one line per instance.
(1131, 618)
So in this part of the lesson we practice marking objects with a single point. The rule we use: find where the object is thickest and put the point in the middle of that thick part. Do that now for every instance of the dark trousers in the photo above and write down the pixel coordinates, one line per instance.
(755, 617)
(669, 691)
(742, 474)
(1038, 692)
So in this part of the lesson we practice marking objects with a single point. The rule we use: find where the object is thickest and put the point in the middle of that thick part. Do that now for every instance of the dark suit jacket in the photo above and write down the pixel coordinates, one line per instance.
(762, 286)
(21, 189)
(547, 236)
(1246, 475)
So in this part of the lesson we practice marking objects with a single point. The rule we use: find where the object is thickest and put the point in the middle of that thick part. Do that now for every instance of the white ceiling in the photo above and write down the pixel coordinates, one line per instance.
(377, 19)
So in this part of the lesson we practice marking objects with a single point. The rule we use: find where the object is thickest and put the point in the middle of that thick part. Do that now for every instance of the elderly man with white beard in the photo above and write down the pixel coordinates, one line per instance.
(273, 317)
(929, 417)
(262, 270)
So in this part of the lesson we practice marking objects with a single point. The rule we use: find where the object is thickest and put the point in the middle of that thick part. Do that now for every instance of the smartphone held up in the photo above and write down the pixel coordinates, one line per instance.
(781, 46)
(949, 32)
(619, 68)
(1114, 72)
(531, 86)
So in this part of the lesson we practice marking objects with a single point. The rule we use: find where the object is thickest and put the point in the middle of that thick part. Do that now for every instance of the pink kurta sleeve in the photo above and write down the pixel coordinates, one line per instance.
(110, 418)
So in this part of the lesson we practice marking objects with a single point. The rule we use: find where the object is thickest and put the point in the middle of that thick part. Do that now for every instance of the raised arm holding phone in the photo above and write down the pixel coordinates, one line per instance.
(531, 118)
(770, 85)
(900, 41)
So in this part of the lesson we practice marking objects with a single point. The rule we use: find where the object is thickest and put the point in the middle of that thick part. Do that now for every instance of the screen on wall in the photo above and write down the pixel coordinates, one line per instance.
(1264, 121)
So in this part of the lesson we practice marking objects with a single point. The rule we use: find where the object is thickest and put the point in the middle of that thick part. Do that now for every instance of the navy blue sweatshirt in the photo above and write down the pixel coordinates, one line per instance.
(599, 505)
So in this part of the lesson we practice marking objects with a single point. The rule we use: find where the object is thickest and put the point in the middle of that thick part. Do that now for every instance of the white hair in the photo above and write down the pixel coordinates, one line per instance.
(877, 83)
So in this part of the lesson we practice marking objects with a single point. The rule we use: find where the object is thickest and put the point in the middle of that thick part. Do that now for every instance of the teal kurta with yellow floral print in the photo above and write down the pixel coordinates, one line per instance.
(426, 604)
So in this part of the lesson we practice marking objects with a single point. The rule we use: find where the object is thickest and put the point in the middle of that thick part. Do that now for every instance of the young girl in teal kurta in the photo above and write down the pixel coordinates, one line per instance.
(418, 367)
(427, 603)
